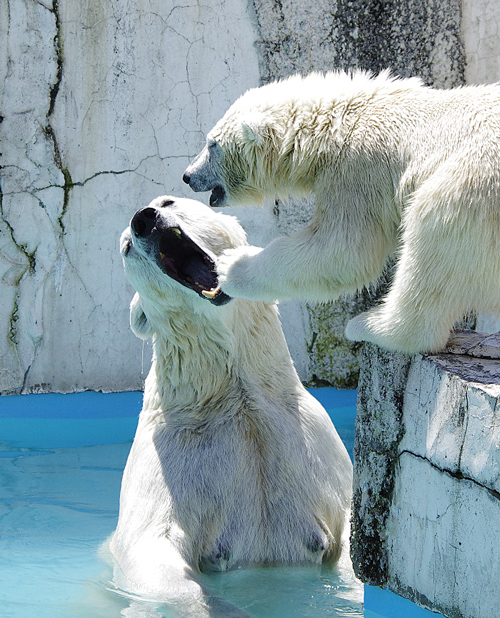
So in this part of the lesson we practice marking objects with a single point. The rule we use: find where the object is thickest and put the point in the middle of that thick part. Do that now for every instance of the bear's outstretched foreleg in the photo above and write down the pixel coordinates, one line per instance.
(312, 264)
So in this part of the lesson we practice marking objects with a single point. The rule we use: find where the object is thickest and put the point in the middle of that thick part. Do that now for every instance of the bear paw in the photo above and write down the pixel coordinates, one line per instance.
(357, 329)
(369, 327)
(395, 335)
(235, 271)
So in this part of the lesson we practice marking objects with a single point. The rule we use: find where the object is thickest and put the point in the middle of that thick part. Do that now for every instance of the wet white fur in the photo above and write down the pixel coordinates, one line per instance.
(230, 447)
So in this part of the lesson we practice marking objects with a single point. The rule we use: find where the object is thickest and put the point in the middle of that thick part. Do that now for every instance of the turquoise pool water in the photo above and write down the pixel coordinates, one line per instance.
(61, 462)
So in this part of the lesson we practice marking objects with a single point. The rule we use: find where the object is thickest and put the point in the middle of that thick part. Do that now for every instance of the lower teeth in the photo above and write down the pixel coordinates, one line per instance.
(211, 293)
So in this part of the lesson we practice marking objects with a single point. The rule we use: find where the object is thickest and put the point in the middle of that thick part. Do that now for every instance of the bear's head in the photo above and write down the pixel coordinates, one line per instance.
(230, 163)
(259, 149)
(169, 252)
(277, 139)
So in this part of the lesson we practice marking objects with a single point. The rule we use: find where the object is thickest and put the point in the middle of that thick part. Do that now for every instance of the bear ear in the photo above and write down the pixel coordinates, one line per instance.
(253, 128)
(138, 321)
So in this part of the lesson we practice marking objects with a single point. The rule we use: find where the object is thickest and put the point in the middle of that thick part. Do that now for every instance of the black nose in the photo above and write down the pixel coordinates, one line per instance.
(186, 178)
(143, 221)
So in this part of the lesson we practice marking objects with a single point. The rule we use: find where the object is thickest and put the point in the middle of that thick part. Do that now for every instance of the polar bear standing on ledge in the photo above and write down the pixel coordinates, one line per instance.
(233, 463)
(394, 166)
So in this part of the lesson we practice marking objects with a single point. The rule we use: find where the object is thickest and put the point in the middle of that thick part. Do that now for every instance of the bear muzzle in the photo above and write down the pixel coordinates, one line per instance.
(177, 255)
(218, 195)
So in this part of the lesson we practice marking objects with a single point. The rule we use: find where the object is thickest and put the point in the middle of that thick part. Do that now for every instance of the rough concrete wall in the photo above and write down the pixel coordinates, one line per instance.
(481, 37)
(379, 430)
(103, 105)
(426, 514)
(411, 38)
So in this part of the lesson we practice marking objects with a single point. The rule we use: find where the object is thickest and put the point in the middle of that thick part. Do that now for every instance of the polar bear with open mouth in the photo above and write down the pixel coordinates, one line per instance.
(234, 464)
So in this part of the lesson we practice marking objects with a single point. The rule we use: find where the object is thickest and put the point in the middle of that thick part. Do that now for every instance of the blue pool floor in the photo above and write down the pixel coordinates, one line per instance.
(61, 462)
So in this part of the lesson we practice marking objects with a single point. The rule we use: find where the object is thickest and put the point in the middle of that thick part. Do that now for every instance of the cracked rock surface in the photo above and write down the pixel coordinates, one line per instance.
(103, 104)
(427, 475)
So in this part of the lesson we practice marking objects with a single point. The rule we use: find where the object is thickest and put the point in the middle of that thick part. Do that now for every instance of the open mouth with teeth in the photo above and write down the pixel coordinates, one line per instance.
(185, 262)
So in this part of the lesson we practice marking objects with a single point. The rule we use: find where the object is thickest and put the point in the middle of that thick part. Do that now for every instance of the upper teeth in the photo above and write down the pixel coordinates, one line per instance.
(176, 231)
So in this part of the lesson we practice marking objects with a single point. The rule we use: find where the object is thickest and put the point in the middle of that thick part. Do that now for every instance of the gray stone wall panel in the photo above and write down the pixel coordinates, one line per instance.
(426, 510)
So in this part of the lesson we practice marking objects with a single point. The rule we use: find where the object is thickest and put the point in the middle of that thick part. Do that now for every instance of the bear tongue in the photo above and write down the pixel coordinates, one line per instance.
(169, 263)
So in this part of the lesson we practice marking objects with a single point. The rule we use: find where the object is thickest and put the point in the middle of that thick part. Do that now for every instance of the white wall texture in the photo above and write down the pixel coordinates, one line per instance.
(481, 36)
(103, 103)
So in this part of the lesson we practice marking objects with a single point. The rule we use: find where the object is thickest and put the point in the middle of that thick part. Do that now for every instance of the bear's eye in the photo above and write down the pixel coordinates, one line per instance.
(212, 144)
(166, 203)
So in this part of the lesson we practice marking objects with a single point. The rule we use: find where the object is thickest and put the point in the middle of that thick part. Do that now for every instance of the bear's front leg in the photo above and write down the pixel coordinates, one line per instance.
(413, 318)
(369, 326)
(294, 266)
(278, 272)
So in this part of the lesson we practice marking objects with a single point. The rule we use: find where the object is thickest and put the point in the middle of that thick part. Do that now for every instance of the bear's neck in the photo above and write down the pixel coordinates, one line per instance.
(200, 360)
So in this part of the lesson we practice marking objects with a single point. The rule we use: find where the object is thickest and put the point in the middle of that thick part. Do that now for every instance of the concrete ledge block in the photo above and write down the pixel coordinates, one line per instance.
(426, 512)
